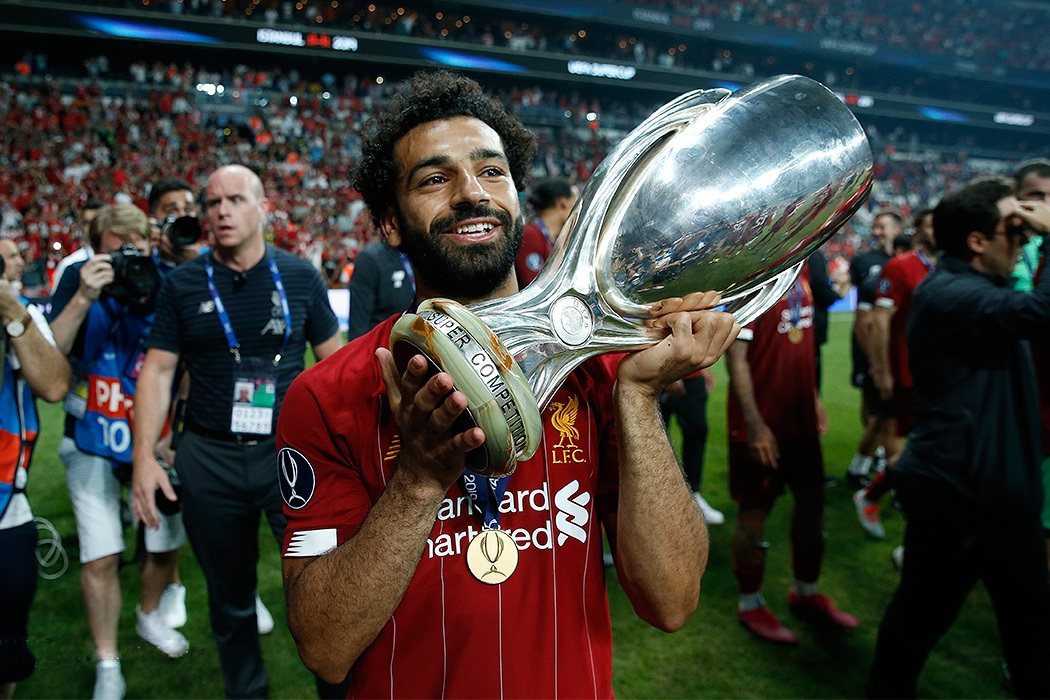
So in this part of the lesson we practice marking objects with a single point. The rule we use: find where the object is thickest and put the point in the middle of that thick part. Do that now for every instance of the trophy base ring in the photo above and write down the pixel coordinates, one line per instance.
(499, 398)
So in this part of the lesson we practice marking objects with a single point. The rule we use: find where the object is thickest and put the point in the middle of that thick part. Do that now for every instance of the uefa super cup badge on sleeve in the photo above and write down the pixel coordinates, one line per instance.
(713, 192)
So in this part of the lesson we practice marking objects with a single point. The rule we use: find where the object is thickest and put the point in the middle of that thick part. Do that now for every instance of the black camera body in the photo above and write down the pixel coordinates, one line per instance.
(181, 230)
(135, 275)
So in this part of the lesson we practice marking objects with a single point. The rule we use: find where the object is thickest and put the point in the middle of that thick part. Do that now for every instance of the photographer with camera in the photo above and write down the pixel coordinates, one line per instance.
(101, 313)
(175, 223)
(31, 367)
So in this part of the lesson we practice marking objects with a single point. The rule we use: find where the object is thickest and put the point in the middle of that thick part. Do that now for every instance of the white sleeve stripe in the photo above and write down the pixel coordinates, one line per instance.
(864, 306)
(885, 302)
(312, 543)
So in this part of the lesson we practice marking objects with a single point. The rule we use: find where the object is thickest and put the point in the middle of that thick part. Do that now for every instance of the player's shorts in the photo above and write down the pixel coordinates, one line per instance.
(874, 404)
(904, 409)
(752, 484)
(18, 578)
(95, 492)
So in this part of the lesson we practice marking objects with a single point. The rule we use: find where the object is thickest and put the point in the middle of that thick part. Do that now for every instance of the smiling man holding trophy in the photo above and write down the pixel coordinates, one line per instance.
(463, 462)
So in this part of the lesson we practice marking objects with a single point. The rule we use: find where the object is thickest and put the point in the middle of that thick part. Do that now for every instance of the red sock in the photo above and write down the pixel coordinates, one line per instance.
(749, 575)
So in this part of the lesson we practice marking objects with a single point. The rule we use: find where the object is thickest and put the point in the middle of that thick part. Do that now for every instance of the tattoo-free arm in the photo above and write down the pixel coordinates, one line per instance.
(879, 348)
(152, 400)
(760, 439)
(340, 601)
(658, 533)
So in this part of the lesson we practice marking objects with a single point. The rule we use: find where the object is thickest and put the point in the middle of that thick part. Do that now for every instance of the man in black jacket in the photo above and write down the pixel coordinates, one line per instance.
(969, 477)
(383, 285)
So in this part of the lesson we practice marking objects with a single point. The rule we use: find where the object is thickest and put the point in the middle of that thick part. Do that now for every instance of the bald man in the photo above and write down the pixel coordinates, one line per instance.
(240, 318)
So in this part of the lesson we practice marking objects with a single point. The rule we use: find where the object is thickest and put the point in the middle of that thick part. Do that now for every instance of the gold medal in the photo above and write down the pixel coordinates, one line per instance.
(492, 556)
(795, 335)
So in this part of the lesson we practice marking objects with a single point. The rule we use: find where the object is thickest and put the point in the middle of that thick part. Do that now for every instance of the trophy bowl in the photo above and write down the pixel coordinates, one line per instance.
(715, 191)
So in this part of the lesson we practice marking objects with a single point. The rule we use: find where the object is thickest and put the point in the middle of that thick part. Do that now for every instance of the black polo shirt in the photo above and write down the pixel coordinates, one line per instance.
(187, 324)
(976, 428)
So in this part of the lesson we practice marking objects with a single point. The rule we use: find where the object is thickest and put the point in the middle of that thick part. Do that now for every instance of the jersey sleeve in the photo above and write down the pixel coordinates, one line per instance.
(324, 497)
(889, 292)
(321, 323)
(67, 287)
(164, 333)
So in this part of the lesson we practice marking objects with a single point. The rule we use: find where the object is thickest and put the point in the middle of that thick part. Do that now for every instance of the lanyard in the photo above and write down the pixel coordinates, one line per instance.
(925, 260)
(411, 275)
(224, 318)
(543, 229)
(795, 296)
(485, 500)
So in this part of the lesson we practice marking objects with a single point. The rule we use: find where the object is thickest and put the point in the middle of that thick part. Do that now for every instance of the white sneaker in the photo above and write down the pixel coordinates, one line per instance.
(109, 681)
(897, 557)
(263, 616)
(868, 516)
(153, 629)
(172, 605)
(711, 514)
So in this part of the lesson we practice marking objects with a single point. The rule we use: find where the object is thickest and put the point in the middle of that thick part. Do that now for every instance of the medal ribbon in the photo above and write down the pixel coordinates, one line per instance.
(485, 496)
(795, 296)
(410, 273)
(224, 318)
(925, 260)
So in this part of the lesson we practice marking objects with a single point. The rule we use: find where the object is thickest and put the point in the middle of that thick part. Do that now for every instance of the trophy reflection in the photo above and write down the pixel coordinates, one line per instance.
(714, 191)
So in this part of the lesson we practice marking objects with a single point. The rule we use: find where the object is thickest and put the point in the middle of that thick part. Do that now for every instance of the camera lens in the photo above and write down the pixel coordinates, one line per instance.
(170, 507)
(182, 231)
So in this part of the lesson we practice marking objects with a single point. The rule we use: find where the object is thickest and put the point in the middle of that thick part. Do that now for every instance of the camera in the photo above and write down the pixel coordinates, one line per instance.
(134, 274)
(181, 230)
(163, 504)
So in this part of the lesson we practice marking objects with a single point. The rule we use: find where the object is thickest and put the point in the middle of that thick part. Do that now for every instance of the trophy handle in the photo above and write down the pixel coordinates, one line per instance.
(749, 305)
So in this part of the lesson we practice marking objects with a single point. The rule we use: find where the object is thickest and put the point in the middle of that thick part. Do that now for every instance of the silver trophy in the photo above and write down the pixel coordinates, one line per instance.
(714, 191)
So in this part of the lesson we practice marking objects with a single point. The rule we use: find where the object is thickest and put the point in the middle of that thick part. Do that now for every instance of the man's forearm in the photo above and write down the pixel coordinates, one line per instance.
(339, 602)
(45, 369)
(661, 540)
(878, 347)
(66, 326)
(152, 400)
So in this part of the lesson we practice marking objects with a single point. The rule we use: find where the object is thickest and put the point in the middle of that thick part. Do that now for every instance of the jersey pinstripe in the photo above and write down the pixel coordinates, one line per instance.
(543, 632)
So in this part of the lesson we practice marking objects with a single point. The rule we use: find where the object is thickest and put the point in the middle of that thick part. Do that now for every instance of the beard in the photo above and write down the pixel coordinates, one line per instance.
(469, 271)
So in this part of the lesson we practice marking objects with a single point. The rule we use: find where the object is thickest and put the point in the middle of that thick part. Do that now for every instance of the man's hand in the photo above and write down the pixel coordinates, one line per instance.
(696, 339)
(147, 477)
(425, 410)
(94, 275)
(822, 417)
(1035, 214)
(762, 445)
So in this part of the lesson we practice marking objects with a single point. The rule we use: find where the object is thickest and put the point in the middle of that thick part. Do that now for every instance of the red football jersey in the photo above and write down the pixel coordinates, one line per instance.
(900, 277)
(535, 248)
(781, 355)
(545, 631)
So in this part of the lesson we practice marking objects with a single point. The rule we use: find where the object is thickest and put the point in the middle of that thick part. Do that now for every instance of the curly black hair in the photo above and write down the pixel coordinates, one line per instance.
(431, 96)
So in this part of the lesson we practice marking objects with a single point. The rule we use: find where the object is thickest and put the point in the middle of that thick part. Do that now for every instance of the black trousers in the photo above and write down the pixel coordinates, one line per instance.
(224, 488)
(949, 546)
(18, 579)
(691, 410)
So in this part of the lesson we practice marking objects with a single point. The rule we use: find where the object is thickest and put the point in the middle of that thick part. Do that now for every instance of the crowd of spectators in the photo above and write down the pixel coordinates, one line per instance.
(988, 36)
(1009, 33)
(107, 135)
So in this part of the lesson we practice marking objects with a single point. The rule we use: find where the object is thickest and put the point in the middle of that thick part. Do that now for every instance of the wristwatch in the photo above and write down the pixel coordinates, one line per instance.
(15, 329)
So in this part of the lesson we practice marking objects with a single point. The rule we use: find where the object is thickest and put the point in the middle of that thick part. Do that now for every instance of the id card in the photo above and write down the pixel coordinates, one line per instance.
(75, 403)
(254, 395)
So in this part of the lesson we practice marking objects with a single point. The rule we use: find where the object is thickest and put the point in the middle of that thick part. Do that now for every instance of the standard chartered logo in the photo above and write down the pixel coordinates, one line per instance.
(570, 518)
(572, 512)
